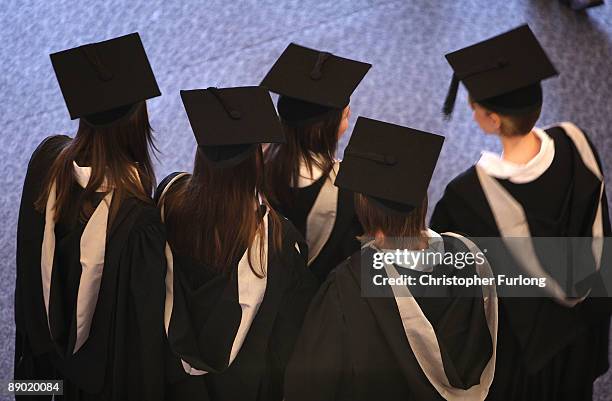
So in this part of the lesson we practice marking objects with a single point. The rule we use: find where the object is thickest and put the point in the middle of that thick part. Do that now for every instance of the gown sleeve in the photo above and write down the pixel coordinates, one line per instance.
(316, 369)
(602, 303)
(162, 185)
(442, 218)
(29, 308)
(300, 290)
(142, 370)
(463, 209)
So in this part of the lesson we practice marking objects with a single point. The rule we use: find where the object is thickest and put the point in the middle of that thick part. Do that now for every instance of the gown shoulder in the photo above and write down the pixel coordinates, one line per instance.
(463, 207)
(50, 146)
(315, 370)
(163, 183)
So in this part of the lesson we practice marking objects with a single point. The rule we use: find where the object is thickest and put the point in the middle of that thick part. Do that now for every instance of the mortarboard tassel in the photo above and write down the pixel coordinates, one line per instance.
(451, 96)
(231, 112)
(388, 160)
(92, 56)
(317, 70)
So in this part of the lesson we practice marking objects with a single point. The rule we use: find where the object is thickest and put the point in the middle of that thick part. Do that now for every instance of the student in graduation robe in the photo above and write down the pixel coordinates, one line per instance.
(313, 105)
(89, 294)
(547, 183)
(396, 342)
(237, 282)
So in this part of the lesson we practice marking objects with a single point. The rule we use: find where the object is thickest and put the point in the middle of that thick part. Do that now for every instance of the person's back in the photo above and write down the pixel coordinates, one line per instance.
(90, 263)
(237, 283)
(386, 324)
(313, 105)
(531, 204)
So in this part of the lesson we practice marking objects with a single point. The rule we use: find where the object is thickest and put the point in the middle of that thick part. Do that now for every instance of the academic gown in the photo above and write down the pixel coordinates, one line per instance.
(356, 347)
(325, 216)
(122, 358)
(207, 320)
(547, 351)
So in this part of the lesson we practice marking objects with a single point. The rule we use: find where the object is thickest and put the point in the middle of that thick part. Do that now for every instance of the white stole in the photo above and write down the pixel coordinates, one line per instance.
(424, 344)
(92, 251)
(322, 216)
(497, 167)
(251, 289)
(512, 222)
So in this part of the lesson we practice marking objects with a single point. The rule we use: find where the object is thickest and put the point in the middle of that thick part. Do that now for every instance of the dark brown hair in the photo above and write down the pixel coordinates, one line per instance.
(114, 152)
(213, 217)
(303, 143)
(407, 229)
(514, 125)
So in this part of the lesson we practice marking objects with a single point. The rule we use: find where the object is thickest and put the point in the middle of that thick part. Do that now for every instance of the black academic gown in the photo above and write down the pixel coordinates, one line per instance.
(354, 347)
(206, 315)
(123, 356)
(342, 241)
(546, 351)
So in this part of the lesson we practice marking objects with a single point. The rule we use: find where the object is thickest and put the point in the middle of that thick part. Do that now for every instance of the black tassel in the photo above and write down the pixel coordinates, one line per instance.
(91, 53)
(451, 96)
(231, 112)
(317, 70)
(388, 160)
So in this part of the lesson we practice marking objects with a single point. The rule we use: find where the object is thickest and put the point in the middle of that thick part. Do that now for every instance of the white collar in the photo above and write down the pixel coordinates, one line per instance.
(435, 244)
(306, 178)
(495, 166)
(82, 176)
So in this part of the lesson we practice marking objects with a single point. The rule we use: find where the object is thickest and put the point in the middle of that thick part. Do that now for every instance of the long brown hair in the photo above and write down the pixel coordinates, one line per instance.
(214, 218)
(405, 230)
(303, 143)
(114, 152)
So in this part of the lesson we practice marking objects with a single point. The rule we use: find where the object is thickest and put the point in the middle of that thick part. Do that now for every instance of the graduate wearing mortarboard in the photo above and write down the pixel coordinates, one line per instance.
(547, 183)
(402, 341)
(90, 248)
(313, 105)
(237, 286)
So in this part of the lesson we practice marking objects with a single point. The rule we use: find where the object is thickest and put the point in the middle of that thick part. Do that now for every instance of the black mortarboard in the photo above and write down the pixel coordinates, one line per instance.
(101, 81)
(312, 83)
(502, 73)
(390, 164)
(228, 122)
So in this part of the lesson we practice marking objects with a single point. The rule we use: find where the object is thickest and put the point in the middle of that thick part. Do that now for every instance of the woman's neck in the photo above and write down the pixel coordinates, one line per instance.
(413, 243)
(520, 149)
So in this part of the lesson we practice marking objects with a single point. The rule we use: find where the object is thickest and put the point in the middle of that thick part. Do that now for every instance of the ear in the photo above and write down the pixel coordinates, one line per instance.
(379, 236)
(495, 119)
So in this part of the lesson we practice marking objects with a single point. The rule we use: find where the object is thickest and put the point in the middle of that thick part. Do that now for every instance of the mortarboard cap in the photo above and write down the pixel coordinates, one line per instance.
(502, 73)
(228, 122)
(102, 81)
(311, 83)
(390, 164)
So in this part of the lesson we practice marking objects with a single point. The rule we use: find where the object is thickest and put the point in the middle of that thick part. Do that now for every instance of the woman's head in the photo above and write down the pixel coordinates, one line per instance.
(507, 125)
(313, 143)
(126, 142)
(383, 224)
(511, 114)
(242, 180)
(216, 215)
(344, 122)
(317, 127)
(117, 152)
